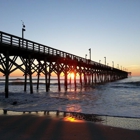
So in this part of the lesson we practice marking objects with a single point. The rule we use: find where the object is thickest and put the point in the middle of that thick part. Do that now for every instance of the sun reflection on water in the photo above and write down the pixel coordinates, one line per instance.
(73, 108)
(71, 119)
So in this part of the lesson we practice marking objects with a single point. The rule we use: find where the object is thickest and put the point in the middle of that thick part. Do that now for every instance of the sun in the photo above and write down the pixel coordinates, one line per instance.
(71, 75)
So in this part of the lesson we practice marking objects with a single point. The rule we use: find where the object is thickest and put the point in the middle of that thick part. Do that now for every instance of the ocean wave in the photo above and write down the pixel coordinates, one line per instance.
(122, 86)
(137, 83)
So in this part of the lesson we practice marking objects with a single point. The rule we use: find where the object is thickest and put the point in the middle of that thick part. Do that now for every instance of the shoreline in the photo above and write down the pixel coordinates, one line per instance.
(27, 126)
(106, 120)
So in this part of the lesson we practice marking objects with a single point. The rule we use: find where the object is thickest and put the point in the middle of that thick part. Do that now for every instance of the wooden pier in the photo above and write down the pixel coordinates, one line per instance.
(31, 57)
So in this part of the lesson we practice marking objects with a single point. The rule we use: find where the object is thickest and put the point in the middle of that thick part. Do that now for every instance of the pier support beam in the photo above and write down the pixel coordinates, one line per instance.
(75, 79)
(66, 83)
(95, 77)
(25, 75)
(30, 75)
(47, 71)
(38, 74)
(58, 76)
(80, 74)
(49, 77)
(46, 75)
(92, 78)
(85, 78)
(7, 75)
(66, 78)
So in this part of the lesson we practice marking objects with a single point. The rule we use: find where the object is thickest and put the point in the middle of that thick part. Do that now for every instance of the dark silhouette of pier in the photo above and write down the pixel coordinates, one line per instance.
(37, 58)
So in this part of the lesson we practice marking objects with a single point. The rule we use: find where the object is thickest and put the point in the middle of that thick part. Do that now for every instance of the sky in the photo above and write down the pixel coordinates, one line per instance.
(111, 28)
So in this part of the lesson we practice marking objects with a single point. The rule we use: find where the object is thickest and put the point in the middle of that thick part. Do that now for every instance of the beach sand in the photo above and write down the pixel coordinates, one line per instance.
(33, 127)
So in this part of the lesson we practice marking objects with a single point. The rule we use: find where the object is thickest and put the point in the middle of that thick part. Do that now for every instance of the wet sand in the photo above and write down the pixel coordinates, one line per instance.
(31, 127)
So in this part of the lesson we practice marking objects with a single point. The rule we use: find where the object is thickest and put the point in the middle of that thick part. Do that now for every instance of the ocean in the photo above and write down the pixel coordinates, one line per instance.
(120, 98)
